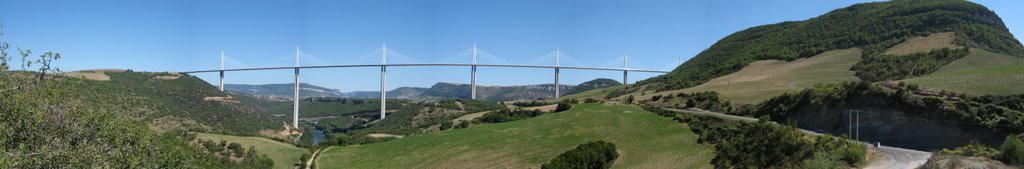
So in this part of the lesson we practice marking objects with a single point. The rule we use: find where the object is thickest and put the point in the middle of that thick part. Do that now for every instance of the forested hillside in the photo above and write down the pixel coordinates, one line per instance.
(167, 101)
(873, 27)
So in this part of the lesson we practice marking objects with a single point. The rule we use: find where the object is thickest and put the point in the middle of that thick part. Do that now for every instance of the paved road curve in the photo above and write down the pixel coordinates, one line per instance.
(892, 157)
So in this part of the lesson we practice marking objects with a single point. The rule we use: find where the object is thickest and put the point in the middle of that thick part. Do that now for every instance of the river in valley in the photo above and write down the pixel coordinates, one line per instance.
(318, 136)
(898, 129)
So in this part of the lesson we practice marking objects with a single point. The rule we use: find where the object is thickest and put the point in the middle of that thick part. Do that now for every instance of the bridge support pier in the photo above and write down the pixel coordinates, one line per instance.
(295, 104)
(383, 81)
(625, 77)
(472, 78)
(222, 71)
(625, 69)
(557, 70)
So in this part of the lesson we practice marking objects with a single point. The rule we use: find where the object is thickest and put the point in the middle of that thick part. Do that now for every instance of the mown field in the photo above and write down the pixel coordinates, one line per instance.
(644, 140)
(980, 73)
(767, 78)
(284, 155)
(595, 94)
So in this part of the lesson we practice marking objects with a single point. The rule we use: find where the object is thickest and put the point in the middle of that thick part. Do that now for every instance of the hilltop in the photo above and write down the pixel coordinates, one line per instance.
(957, 46)
(873, 28)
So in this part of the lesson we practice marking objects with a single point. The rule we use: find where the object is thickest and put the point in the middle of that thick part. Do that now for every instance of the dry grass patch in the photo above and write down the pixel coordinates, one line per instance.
(980, 73)
(924, 44)
(97, 74)
(767, 78)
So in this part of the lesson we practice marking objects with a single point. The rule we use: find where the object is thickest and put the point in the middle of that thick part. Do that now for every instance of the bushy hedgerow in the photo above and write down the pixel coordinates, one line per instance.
(591, 155)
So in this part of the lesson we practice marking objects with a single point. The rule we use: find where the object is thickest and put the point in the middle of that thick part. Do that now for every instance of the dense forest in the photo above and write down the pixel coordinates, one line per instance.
(874, 27)
(142, 96)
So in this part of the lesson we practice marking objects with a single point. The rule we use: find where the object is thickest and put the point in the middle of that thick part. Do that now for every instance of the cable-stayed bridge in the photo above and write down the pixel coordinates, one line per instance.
(384, 65)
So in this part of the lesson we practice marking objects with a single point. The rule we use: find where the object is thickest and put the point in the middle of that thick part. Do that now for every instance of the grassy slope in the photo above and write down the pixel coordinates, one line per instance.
(764, 79)
(644, 140)
(283, 154)
(980, 72)
(924, 44)
(595, 94)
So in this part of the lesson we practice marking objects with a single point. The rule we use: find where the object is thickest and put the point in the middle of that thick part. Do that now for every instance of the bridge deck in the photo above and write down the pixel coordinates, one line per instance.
(427, 65)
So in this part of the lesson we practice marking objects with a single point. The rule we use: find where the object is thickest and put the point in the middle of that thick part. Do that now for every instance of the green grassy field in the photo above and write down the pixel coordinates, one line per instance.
(283, 154)
(980, 73)
(644, 140)
(595, 94)
(767, 78)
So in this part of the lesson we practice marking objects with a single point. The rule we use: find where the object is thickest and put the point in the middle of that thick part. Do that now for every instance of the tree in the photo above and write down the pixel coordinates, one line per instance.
(4, 58)
(46, 63)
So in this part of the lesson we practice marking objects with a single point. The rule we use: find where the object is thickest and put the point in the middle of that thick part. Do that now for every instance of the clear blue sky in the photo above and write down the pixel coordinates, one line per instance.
(177, 35)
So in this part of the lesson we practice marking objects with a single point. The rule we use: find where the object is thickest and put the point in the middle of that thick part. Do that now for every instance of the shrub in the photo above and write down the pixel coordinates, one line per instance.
(446, 125)
(504, 115)
(590, 100)
(563, 106)
(597, 154)
(464, 124)
(1013, 151)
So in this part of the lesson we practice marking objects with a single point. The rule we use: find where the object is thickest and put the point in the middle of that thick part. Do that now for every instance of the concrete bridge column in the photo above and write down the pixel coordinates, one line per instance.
(557, 70)
(472, 79)
(295, 104)
(383, 81)
(222, 71)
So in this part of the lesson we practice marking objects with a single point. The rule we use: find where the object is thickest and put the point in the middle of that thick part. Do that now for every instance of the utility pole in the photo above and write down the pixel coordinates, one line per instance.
(858, 125)
(222, 70)
(383, 80)
(557, 69)
(295, 113)
(472, 79)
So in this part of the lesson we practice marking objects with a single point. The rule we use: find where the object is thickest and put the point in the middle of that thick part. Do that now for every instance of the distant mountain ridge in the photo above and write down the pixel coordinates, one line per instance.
(283, 91)
(440, 90)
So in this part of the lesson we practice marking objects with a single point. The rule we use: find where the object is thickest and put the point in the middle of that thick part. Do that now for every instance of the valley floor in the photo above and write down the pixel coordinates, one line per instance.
(285, 155)
(644, 140)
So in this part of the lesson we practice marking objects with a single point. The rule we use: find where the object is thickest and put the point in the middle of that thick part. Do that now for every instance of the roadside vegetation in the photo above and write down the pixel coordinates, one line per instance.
(764, 144)
(975, 154)
(994, 112)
